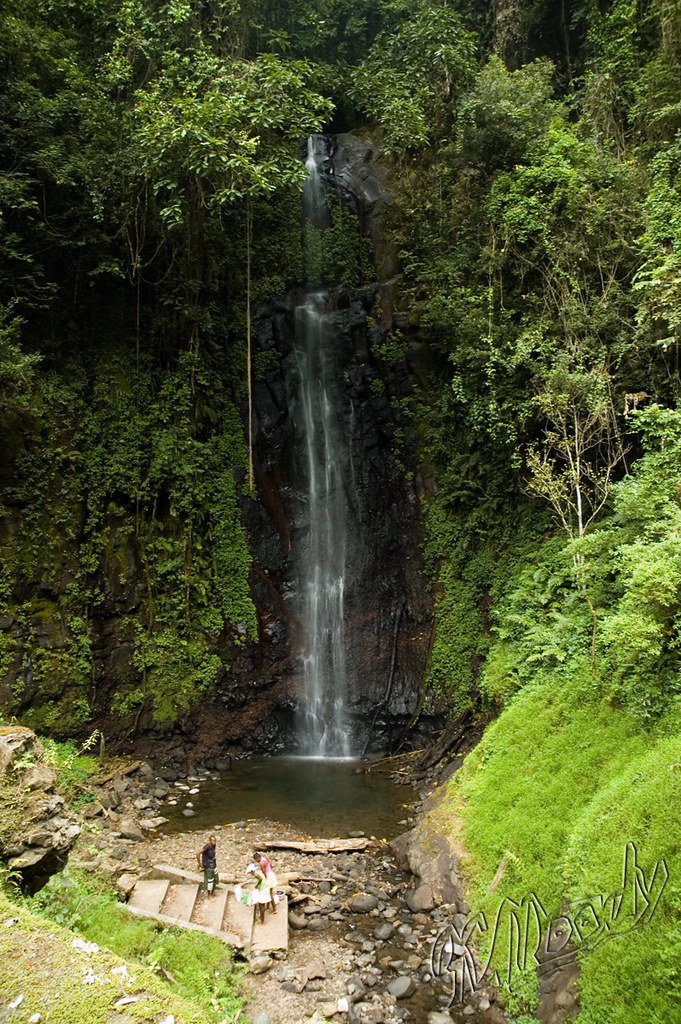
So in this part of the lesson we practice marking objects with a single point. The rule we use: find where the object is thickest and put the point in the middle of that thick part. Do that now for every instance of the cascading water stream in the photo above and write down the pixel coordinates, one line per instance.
(324, 537)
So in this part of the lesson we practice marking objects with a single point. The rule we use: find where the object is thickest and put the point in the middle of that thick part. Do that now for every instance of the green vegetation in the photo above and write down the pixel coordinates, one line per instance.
(200, 966)
(79, 987)
(559, 785)
(535, 165)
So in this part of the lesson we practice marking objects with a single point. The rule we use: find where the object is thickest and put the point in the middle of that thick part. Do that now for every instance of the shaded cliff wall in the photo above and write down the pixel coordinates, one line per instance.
(388, 604)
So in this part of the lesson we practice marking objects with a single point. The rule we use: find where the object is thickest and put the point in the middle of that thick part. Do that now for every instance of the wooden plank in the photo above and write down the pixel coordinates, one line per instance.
(318, 845)
(180, 900)
(148, 895)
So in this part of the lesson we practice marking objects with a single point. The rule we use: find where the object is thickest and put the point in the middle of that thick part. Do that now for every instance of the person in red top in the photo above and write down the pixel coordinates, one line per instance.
(270, 878)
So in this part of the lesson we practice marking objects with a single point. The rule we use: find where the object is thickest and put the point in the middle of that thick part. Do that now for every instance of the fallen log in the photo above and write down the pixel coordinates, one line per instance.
(385, 764)
(127, 770)
(318, 845)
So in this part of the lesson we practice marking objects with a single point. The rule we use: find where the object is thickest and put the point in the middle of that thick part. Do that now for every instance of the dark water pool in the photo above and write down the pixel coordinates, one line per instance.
(317, 797)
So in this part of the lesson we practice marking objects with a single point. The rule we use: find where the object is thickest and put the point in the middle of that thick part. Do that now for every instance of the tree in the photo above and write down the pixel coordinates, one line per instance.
(573, 466)
(412, 76)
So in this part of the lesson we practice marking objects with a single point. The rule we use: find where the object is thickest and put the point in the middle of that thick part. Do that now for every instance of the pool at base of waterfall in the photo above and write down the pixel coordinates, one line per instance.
(318, 796)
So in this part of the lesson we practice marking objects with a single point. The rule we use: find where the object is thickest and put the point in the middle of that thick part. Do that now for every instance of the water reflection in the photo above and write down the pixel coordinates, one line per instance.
(316, 796)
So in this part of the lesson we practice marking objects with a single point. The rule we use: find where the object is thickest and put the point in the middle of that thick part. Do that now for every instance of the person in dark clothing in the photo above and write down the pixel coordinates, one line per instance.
(206, 859)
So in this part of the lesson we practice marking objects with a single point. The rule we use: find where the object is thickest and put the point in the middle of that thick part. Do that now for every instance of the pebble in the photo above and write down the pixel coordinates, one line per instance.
(402, 987)
(291, 986)
(362, 903)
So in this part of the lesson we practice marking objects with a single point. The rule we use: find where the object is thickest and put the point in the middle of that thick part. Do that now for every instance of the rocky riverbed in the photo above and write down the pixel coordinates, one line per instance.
(373, 931)
(362, 924)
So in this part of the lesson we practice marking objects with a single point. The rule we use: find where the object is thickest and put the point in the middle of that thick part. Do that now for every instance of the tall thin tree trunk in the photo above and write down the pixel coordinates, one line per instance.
(249, 230)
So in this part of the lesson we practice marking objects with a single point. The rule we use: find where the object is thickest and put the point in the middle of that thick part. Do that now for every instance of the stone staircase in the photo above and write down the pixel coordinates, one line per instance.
(174, 898)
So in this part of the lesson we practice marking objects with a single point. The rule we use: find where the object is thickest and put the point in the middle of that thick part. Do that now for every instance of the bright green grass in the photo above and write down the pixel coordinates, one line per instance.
(201, 966)
(66, 985)
(557, 788)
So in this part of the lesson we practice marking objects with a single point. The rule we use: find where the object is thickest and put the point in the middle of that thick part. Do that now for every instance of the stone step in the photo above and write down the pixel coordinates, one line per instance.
(229, 938)
(181, 875)
(176, 875)
(209, 911)
(272, 933)
(185, 905)
(239, 919)
(148, 895)
(179, 902)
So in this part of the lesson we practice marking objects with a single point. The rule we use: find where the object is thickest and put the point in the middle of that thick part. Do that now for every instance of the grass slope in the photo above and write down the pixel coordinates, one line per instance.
(67, 985)
(555, 791)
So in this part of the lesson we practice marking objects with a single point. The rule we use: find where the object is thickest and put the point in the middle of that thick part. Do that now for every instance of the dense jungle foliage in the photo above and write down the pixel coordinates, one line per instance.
(149, 160)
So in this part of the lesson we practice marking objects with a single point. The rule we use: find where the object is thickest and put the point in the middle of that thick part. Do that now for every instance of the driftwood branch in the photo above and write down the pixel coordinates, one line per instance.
(128, 770)
(387, 764)
(318, 845)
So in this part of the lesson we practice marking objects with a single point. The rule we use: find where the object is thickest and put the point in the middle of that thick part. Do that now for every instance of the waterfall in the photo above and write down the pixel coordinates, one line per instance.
(323, 536)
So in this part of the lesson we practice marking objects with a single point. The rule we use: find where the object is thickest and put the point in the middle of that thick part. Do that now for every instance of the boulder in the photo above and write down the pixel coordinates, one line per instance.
(109, 799)
(42, 829)
(15, 742)
(39, 776)
(121, 784)
(130, 830)
(126, 883)
(317, 923)
(420, 899)
(260, 964)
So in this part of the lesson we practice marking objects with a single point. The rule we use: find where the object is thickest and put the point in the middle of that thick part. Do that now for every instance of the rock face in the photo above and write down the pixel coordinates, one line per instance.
(387, 606)
(37, 829)
(354, 173)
